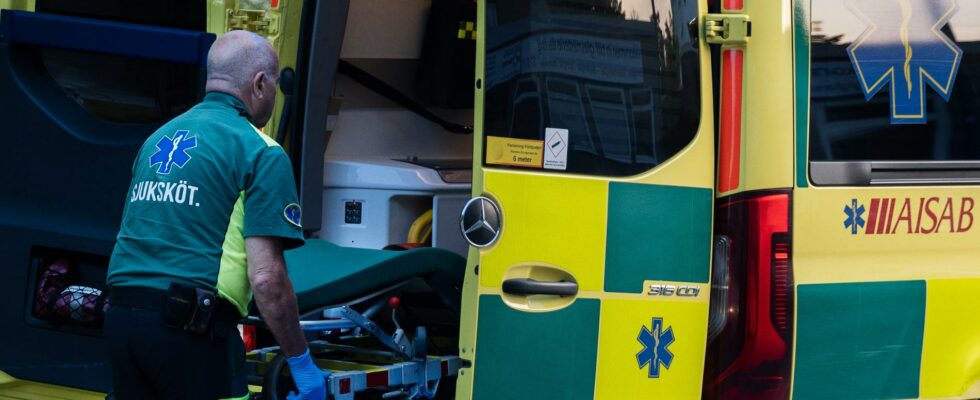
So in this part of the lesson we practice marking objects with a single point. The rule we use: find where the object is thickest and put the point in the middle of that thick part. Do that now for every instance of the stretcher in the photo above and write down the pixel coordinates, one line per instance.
(349, 303)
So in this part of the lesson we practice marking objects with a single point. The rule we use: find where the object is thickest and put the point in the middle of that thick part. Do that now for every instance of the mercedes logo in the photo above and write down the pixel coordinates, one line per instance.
(480, 221)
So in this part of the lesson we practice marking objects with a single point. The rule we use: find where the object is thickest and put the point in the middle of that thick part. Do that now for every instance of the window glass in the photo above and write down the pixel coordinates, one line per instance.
(618, 79)
(895, 80)
(123, 89)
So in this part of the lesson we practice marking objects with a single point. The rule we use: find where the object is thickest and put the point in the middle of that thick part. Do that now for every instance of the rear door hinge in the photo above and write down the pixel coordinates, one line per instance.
(727, 28)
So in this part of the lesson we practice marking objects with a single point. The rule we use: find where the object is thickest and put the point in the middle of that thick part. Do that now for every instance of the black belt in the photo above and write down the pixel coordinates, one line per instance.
(137, 297)
(225, 314)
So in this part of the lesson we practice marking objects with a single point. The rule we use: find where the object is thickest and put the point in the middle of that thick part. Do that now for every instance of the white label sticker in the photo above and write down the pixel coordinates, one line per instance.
(556, 148)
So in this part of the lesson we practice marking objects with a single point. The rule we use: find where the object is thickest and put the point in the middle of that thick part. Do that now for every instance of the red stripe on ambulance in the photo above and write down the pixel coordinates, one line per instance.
(924, 215)
(872, 217)
(883, 217)
(889, 228)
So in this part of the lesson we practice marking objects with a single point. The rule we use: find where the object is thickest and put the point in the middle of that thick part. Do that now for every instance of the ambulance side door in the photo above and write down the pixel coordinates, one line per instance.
(593, 185)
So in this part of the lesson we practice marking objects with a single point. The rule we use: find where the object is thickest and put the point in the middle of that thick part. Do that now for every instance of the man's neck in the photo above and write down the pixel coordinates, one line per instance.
(243, 107)
(223, 86)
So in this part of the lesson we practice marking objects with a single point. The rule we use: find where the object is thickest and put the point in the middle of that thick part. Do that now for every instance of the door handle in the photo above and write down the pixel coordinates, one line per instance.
(528, 286)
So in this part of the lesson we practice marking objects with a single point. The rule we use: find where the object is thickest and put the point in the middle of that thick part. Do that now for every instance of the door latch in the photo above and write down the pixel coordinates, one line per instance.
(727, 28)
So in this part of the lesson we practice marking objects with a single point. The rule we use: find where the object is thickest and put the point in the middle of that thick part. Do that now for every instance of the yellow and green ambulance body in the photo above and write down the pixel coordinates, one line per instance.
(812, 237)
(673, 199)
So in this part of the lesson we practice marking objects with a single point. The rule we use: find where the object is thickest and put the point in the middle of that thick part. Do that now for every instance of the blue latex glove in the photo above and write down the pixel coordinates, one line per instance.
(310, 380)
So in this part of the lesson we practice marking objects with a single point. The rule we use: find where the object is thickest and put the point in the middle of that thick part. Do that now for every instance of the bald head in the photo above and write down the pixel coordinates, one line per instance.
(245, 65)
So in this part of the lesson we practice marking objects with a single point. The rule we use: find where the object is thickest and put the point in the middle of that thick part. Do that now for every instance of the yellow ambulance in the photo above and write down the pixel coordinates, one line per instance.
(811, 238)
(660, 199)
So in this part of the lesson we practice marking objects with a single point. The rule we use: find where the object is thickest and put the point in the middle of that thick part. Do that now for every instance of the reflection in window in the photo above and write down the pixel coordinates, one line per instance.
(611, 122)
(565, 109)
(643, 110)
(844, 126)
(527, 107)
(621, 76)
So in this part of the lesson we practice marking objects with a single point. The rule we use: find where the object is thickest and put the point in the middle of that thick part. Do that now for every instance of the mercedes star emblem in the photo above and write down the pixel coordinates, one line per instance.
(480, 221)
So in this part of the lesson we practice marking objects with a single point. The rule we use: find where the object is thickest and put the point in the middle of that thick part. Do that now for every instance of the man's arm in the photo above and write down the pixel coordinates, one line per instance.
(273, 293)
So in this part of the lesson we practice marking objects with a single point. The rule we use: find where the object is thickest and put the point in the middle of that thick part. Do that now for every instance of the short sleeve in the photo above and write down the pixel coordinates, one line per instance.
(271, 204)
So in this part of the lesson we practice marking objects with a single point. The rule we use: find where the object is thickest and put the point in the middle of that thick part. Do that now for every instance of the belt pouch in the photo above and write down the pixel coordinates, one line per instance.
(200, 315)
(178, 305)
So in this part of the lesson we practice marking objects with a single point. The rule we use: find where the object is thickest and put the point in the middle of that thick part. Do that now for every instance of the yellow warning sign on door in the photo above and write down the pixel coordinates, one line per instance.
(515, 152)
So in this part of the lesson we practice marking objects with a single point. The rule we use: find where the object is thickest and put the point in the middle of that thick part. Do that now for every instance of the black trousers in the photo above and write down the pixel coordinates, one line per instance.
(153, 361)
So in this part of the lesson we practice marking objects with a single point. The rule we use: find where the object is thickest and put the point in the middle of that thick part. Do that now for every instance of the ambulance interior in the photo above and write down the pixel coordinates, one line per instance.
(386, 166)
(392, 107)
(396, 174)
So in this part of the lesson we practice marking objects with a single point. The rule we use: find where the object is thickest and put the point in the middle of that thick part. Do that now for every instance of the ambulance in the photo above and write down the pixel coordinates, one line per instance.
(626, 199)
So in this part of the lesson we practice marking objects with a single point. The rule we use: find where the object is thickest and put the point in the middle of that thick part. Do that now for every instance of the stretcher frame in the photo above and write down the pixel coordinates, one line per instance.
(412, 374)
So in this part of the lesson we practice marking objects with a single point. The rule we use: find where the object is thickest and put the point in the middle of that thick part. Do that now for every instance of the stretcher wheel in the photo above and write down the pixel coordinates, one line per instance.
(276, 385)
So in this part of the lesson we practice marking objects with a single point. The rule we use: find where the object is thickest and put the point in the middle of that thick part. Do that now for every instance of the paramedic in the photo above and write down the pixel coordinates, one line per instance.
(209, 191)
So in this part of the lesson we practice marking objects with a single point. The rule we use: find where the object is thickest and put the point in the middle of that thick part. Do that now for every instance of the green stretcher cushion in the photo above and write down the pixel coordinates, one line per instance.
(325, 274)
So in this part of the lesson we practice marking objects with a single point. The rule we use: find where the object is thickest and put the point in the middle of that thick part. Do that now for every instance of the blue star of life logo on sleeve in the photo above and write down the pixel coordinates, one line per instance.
(655, 352)
(904, 47)
(854, 219)
(293, 214)
(173, 151)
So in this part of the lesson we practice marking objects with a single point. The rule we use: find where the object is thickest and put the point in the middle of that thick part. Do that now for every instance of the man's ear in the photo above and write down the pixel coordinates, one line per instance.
(258, 84)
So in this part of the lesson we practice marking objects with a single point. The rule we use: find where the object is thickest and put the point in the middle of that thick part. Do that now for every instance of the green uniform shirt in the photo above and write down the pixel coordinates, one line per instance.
(202, 183)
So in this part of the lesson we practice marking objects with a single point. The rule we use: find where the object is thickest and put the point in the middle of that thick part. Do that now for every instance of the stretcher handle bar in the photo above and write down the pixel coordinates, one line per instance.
(107, 37)
(318, 325)
(528, 287)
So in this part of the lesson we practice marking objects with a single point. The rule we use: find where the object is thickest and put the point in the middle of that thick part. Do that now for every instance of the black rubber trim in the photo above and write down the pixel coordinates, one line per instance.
(894, 173)
(528, 286)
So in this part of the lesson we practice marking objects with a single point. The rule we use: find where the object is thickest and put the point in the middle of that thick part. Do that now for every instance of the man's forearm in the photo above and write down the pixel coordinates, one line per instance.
(276, 301)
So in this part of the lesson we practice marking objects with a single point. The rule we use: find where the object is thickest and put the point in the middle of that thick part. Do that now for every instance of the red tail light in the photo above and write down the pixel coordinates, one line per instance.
(749, 353)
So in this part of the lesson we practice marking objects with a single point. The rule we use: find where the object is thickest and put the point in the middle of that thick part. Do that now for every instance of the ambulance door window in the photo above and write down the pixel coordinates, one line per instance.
(602, 70)
(884, 95)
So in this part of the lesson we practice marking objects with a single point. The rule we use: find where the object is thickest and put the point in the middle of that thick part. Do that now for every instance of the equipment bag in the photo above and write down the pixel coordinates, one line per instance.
(61, 300)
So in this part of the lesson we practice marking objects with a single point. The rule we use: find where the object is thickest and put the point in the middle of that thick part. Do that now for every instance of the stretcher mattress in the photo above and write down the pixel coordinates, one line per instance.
(325, 274)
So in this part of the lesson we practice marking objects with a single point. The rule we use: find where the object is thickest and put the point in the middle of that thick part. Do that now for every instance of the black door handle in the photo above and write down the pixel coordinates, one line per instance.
(528, 286)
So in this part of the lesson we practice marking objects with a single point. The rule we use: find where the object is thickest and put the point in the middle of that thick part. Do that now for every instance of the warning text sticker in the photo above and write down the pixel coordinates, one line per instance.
(514, 152)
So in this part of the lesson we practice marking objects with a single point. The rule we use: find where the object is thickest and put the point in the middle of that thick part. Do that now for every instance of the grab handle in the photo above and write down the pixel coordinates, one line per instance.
(528, 287)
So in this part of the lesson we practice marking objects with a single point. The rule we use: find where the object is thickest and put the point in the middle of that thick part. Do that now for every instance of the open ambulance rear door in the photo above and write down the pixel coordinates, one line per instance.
(593, 184)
